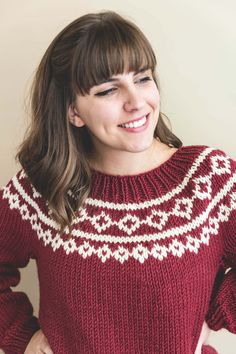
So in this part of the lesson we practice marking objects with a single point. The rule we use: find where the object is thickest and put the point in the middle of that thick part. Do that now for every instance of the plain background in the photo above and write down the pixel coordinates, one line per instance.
(195, 46)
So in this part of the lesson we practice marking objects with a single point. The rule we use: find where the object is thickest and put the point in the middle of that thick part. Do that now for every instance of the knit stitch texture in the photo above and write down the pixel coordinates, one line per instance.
(150, 257)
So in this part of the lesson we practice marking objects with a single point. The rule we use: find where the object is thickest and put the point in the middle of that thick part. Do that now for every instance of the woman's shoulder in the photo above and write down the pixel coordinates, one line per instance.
(213, 164)
(208, 152)
(20, 184)
(207, 162)
(20, 195)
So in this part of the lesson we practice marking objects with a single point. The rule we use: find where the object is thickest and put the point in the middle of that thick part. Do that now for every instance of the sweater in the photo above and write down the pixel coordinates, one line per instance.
(149, 258)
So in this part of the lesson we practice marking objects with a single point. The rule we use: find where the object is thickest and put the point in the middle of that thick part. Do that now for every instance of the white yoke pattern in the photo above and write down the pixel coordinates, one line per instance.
(171, 217)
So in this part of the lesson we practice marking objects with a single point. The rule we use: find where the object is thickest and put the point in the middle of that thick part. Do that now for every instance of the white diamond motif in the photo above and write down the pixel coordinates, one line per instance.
(96, 222)
(130, 219)
(203, 187)
(183, 208)
(162, 219)
(217, 162)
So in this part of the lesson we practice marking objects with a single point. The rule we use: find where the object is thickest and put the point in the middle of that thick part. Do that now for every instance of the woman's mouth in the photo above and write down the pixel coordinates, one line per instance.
(137, 124)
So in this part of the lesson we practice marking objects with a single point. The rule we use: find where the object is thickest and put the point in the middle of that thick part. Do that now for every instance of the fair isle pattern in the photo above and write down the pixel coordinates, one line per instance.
(115, 231)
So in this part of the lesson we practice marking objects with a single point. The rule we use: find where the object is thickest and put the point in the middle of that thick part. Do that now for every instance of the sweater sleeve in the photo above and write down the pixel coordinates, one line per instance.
(17, 323)
(222, 309)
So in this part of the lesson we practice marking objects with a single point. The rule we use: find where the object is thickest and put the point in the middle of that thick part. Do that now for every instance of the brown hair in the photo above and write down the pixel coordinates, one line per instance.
(53, 154)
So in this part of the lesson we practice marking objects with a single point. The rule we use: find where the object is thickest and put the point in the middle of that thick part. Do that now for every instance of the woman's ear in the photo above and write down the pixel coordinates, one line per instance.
(74, 117)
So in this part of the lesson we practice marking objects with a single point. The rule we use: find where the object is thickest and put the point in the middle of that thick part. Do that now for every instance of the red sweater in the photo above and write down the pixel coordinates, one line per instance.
(145, 266)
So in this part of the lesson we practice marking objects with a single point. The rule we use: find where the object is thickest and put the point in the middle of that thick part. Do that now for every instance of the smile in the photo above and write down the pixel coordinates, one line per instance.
(135, 124)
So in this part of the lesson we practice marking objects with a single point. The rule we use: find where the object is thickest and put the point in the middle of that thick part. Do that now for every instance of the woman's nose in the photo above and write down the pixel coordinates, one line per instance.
(133, 100)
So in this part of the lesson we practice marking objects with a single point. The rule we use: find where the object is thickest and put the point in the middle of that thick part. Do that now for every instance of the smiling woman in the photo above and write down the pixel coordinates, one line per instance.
(132, 232)
(67, 78)
(121, 118)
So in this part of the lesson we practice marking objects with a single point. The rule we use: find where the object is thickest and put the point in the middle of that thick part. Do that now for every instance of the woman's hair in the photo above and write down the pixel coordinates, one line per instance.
(54, 152)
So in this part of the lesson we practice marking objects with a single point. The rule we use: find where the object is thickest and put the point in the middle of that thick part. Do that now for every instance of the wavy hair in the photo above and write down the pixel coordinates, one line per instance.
(54, 152)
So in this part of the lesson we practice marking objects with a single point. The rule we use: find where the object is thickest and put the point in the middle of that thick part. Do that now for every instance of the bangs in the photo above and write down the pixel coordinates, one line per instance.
(109, 49)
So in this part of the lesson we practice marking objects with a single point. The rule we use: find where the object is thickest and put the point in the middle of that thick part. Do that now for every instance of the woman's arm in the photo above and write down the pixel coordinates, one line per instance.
(222, 309)
(17, 323)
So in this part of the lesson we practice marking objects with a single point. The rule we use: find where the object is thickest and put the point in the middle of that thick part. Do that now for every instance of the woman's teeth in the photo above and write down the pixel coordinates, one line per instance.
(135, 124)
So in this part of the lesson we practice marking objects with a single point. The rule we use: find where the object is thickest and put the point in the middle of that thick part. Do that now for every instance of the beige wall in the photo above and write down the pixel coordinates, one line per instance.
(196, 52)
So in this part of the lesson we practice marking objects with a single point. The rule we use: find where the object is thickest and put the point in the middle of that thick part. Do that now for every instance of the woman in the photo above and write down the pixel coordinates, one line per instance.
(131, 231)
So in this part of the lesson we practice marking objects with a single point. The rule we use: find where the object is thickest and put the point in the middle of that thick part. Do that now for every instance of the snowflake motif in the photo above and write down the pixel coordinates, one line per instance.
(176, 248)
(101, 222)
(159, 252)
(193, 244)
(56, 242)
(162, 219)
(220, 165)
(183, 208)
(140, 253)
(129, 224)
(104, 253)
(70, 246)
(14, 200)
(34, 221)
(121, 254)
(223, 213)
(47, 237)
(24, 212)
(214, 226)
(203, 187)
(40, 231)
(85, 250)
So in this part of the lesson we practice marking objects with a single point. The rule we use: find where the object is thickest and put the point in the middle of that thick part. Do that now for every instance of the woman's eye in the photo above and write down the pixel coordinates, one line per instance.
(107, 92)
(144, 79)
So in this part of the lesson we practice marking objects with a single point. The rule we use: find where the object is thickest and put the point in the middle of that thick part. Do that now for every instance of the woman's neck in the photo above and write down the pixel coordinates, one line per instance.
(132, 163)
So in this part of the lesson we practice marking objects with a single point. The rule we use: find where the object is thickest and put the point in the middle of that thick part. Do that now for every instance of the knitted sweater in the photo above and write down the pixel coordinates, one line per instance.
(150, 257)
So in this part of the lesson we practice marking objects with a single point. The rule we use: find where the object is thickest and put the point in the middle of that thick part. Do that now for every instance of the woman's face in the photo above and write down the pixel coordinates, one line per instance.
(120, 114)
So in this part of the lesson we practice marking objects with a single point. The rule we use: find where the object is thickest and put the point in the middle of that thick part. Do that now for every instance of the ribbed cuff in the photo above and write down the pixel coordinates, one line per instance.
(17, 344)
(215, 318)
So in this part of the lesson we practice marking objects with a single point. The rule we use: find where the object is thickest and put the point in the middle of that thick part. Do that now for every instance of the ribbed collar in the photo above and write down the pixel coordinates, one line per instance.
(146, 185)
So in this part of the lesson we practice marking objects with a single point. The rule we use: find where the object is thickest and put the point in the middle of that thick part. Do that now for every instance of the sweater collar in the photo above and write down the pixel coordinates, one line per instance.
(146, 185)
